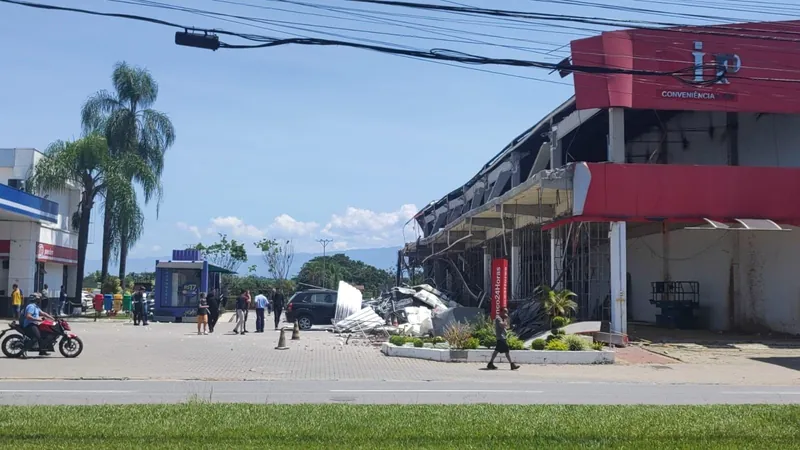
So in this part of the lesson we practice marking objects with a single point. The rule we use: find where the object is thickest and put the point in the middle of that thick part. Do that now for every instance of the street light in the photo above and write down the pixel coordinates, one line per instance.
(324, 243)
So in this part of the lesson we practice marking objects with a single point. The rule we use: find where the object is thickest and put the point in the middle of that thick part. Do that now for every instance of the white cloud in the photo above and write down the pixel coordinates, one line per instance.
(287, 226)
(190, 228)
(236, 227)
(354, 228)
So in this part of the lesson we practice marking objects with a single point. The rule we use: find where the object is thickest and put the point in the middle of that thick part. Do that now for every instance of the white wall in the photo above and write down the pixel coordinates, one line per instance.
(766, 288)
(53, 278)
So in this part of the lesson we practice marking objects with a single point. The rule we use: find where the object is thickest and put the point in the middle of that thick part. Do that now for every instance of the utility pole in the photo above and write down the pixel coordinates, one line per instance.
(324, 243)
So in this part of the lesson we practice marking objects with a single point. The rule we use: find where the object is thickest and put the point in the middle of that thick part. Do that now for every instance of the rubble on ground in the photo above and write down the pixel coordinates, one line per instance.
(409, 311)
(528, 318)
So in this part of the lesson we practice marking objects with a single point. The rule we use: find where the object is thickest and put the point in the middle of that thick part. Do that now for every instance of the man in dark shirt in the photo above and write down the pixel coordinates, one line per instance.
(213, 310)
(277, 306)
(241, 307)
(139, 307)
(62, 301)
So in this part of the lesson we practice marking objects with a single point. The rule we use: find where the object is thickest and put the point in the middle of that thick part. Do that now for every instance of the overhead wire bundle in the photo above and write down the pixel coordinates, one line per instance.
(441, 55)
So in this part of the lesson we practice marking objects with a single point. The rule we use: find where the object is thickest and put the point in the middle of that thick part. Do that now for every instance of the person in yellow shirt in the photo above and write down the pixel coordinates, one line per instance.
(16, 301)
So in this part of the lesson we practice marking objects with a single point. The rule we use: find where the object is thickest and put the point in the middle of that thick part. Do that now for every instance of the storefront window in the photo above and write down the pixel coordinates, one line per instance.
(185, 285)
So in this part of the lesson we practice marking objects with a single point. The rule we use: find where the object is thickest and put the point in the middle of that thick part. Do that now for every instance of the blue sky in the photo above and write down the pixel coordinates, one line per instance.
(292, 142)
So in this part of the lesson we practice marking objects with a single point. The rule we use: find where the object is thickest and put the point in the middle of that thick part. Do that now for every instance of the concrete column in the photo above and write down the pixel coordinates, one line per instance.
(618, 230)
(556, 260)
(515, 269)
(22, 256)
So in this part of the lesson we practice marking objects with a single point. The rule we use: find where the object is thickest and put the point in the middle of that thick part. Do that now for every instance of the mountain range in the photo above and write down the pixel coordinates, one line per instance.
(382, 258)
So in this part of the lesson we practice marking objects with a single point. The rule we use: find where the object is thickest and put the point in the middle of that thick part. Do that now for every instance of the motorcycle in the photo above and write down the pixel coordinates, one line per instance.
(53, 333)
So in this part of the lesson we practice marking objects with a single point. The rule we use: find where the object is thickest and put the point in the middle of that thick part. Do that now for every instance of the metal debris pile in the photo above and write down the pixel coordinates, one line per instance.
(403, 310)
(528, 318)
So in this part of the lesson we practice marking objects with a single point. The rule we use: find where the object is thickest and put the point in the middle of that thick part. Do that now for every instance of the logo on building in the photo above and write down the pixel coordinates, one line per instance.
(723, 64)
(708, 72)
(189, 290)
(45, 252)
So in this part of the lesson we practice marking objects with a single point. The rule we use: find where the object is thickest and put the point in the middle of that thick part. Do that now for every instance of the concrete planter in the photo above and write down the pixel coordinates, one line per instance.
(483, 356)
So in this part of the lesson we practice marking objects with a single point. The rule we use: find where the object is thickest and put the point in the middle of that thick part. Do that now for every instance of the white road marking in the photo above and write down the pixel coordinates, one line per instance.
(762, 392)
(59, 391)
(433, 391)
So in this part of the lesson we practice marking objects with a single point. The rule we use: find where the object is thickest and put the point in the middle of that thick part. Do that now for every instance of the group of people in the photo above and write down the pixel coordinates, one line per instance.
(263, 304)
(46, 303)
(208, 311)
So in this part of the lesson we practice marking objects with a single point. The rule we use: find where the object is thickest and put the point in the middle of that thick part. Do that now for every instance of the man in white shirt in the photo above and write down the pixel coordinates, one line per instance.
(261, 304)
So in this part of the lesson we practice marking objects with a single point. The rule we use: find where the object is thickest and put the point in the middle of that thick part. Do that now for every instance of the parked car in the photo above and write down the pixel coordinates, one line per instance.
(312, 307)
(86, 301)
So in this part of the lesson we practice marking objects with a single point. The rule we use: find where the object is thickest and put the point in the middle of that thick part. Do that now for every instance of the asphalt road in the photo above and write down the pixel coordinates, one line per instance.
(384, 392)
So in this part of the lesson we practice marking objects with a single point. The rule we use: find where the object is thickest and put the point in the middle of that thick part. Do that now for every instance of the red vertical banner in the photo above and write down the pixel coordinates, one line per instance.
(499, 286)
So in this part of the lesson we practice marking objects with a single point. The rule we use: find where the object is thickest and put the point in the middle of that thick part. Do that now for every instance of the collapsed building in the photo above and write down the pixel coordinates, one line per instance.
(664, 199)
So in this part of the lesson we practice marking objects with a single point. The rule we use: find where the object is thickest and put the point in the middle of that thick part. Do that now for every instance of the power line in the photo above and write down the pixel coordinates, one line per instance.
(210, 40)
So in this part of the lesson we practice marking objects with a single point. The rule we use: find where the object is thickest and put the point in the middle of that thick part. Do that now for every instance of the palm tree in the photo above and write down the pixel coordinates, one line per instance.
(558, 303)
(84, 163)
(130, 125)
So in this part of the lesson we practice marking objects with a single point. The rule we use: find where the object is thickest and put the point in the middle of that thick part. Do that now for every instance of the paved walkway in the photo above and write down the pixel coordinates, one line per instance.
(117, 350)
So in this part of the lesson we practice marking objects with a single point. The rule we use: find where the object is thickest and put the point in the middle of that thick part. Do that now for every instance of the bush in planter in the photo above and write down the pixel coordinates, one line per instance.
(399, 340)
(471, 344)
(538, 344)
(418, 342)
(438, 340)
(598, 346)
(457, 334)
(515, 343)
(557, 345)
(576, 343)
(559, 322)
(555, 337)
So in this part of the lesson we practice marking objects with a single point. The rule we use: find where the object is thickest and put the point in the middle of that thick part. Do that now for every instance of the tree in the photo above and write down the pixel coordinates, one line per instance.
(557, 303)
(131, 127)
(329, 270)
(84, 163)
(226, 254)
(279, 256)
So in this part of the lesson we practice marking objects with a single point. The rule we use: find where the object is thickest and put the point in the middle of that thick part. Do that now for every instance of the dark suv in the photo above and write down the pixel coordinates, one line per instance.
(312, 307)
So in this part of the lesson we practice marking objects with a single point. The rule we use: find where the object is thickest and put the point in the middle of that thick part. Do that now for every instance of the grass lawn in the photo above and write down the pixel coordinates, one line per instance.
(198, 425)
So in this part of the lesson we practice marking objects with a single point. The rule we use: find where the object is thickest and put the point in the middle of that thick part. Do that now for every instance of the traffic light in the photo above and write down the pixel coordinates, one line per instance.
(198, 40)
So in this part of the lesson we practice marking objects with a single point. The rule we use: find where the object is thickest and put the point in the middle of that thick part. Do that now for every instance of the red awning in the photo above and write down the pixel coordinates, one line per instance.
(644, 192)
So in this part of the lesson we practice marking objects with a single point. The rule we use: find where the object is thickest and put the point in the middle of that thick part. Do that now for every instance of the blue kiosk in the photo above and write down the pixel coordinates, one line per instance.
(179, 283)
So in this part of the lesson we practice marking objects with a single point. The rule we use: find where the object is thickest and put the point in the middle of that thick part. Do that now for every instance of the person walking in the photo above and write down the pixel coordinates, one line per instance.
(62, 301)
(213, 310)
(16, 302)
(202, 314)
(277, 306)
(500, 332)
(261, 305)
(241, 307)
(139, 307)
(248, 302)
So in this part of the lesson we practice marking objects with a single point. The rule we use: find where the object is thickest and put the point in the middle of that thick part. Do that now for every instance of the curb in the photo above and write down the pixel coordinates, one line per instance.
(483, 356)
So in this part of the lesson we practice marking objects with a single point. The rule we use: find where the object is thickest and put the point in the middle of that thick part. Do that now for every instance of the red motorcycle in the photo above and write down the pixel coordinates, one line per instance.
(53, 332)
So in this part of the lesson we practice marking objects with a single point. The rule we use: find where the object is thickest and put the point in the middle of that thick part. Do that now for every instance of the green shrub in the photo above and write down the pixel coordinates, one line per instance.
(558, 332)
(397, 340)
(438, 340)
(559, 322)
(538, 344)
(515, 343)
(457, 334)
(554, 337)
(418, 342)
(598, 346)
(472, 343)
(489, 341)
(557, 345)
(576, 343)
